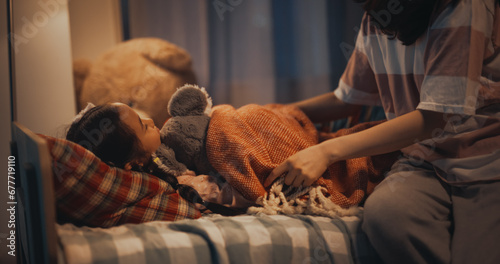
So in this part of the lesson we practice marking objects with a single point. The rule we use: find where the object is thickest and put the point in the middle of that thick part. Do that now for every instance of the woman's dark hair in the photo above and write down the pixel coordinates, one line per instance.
(101, 131)
(405, 20)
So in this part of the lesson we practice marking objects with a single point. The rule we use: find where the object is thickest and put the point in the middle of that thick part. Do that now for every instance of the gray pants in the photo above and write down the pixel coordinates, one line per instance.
(413, 217)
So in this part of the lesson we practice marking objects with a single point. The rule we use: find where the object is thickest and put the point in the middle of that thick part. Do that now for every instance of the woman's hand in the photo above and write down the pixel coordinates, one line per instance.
(301, 169)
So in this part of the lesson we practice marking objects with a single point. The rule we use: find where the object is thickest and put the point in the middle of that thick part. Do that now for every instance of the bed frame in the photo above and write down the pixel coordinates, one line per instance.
(36, 238)
(340, 239)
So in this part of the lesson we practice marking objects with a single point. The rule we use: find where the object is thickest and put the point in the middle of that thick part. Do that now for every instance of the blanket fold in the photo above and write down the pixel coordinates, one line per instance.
(244, 145)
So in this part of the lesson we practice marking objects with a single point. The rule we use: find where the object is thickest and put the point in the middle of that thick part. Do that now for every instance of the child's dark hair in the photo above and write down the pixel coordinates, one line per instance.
(101, 131)
(405, 20)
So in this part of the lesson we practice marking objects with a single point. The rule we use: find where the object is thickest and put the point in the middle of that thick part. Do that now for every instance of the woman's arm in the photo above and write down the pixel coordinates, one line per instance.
(326, 107)
(308, 165)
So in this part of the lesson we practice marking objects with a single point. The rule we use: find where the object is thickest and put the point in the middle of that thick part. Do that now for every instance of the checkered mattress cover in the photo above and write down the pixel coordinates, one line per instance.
(217, 239)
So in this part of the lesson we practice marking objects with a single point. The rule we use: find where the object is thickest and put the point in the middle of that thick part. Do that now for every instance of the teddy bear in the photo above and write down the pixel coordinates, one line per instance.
(183, 136)
(142, 73)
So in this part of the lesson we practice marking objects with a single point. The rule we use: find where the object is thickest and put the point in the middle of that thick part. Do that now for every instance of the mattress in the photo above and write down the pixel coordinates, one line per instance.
(218, 239)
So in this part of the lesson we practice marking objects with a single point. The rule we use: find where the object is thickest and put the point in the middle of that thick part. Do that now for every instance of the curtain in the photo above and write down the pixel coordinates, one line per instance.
(258, 51)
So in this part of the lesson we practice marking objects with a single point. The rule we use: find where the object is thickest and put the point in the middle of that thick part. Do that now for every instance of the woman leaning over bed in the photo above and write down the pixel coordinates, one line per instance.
(434, 66)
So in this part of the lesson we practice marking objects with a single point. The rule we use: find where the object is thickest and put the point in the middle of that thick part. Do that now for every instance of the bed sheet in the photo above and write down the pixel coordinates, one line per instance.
(217, 239)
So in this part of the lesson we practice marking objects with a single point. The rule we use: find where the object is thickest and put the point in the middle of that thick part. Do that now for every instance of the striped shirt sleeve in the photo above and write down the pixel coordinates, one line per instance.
(453, 58)
(357, 84)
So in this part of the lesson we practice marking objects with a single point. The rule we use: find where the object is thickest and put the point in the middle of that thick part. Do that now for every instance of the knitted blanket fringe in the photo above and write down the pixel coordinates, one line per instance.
(277, 201)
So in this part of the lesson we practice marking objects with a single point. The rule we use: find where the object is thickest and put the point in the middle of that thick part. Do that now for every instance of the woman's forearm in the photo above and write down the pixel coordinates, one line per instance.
(389, 136)
(326, 107)
(307, 165)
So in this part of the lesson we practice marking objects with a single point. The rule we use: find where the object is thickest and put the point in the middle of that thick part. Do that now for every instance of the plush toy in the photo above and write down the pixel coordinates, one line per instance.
(183, 136)
(142, 72)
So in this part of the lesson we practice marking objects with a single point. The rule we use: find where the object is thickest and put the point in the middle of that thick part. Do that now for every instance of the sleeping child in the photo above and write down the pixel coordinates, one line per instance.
(127, 141)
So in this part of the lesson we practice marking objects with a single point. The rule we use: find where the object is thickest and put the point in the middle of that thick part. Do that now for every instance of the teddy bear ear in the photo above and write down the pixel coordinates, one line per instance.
(81, 68)
(166, 54)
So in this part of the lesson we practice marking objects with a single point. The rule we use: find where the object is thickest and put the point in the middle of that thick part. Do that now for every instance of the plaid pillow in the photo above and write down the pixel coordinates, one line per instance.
(90, 192)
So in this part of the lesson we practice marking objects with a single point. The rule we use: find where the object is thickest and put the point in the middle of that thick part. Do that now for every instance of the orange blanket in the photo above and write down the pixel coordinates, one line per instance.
(244, 145)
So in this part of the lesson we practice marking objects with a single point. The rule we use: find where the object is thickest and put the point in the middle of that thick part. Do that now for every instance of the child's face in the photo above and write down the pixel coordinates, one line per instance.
(144, 128)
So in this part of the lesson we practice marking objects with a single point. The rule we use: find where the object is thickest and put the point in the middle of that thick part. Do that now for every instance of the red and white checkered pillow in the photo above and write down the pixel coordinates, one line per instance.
(90, 192)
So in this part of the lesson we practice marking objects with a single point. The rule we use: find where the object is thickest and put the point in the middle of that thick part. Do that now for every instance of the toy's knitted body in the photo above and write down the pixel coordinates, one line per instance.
(183, 136)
